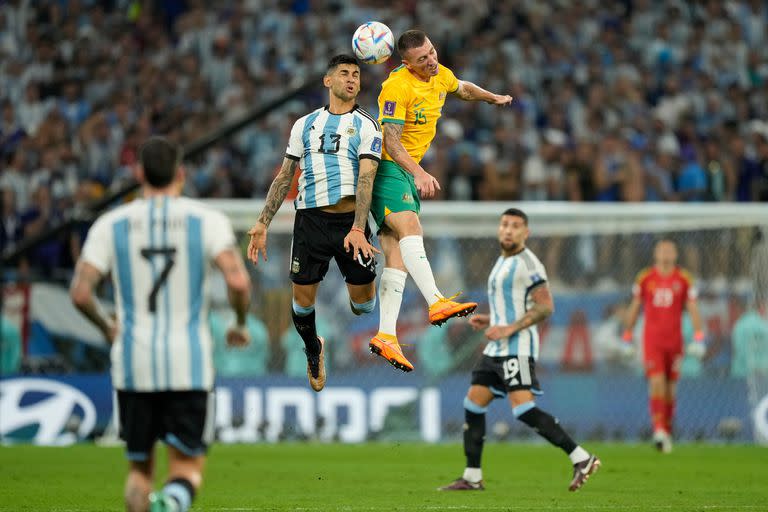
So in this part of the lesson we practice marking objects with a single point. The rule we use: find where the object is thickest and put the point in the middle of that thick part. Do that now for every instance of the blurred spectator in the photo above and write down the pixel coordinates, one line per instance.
(465, 177)
(760, 181)
(668, 97)
(32, 110)
(721, 175)
(660, 167)
(39, 217)
(749, 338)
(580, 172)
(11, 131)
(249, 361)
(543, 173)
(72, 105)
(747, 169)
(691, 183)
(14, 176)
(10, 230)
(10, 348)
(611, 168)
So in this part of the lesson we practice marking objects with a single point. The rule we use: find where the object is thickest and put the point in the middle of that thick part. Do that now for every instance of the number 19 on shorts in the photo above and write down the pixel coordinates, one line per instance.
(511, 369)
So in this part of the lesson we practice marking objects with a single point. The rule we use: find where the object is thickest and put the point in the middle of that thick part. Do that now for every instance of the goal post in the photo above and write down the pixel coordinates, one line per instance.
(592, 253)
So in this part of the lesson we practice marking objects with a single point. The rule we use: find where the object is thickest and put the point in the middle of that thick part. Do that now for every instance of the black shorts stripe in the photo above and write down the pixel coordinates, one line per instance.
(507, 373)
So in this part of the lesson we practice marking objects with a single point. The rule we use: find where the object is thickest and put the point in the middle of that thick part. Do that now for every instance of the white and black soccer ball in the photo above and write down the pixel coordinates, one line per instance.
(373, 42)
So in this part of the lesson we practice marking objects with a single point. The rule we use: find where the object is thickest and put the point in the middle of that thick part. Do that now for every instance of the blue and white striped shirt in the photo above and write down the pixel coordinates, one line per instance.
(509, 284)
(159, 252)
(329, 148)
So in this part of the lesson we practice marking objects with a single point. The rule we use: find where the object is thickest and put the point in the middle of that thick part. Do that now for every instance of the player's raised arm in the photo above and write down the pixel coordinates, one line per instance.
(542, 307)
(468, 91)
(278, 190)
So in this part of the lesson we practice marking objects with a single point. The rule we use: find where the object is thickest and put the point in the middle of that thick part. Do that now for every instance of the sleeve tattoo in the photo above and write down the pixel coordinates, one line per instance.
(463, 91)
(392, 134)
(278, 191)
(364, 192)
(542, 307)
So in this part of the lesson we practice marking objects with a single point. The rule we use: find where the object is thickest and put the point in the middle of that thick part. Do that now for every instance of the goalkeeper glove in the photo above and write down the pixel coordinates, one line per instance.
(627, 348)
(697, 349)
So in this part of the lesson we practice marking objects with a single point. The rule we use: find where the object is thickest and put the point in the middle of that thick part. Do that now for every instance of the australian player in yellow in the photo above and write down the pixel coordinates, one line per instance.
(410, 104)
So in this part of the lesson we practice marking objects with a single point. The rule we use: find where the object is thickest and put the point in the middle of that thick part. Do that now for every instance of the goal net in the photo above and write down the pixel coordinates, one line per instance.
(592, 254)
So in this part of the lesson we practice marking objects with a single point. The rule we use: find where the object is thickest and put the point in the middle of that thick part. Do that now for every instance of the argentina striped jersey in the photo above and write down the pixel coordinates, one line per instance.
(329, 148)
(509, 287)
(159, 253)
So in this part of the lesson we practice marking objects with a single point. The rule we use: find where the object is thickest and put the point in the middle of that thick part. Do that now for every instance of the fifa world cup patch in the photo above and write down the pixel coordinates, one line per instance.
(295, 266)
(376, 145)
(389, 108)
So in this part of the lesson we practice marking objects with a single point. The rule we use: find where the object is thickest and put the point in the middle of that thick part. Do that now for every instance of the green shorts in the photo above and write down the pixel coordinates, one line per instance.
(393, 191)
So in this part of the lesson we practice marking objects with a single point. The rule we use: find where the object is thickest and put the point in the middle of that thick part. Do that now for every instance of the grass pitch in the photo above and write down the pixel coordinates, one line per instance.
(402, 477)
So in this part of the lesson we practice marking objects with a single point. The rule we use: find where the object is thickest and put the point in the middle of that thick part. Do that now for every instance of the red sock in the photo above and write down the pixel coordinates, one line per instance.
(669, 413)
(658, 408)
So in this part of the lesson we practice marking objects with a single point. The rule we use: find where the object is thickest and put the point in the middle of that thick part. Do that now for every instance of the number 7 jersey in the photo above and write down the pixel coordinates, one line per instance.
(329, 148)
(159, 253)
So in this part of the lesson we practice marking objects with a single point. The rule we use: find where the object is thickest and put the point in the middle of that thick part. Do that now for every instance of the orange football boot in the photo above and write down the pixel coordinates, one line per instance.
(387, 346)
(446, 308)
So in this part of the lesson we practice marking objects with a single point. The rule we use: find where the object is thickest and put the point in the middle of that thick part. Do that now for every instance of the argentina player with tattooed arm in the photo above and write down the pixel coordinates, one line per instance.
(338, 148)
(519, 298)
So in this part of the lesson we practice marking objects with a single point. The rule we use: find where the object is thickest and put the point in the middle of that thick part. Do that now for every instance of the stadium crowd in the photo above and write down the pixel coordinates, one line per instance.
(627, 101)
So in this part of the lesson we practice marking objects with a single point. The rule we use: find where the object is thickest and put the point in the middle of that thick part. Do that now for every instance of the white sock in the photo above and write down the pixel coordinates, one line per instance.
(473, 475)
(390, 297)
(578, 454)
(415, 260)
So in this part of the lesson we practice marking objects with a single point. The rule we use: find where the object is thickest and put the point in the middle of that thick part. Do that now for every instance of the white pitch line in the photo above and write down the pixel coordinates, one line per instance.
(504, 507)
(345, 508)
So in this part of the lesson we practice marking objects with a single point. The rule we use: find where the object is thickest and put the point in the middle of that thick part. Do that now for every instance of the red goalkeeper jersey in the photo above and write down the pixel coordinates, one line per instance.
(663, 298)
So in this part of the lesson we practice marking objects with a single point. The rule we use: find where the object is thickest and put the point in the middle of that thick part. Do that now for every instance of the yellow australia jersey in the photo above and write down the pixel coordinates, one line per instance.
(417, 105)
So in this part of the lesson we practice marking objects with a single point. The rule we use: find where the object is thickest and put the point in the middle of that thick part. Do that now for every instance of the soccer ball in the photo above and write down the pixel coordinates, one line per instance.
(373, 42)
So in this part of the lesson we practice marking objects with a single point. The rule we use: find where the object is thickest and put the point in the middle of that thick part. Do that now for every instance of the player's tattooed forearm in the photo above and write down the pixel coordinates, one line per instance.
(465, 91)
(392, 134)
(542, 307)
(536, 314)
(364, 192)
(278, 191)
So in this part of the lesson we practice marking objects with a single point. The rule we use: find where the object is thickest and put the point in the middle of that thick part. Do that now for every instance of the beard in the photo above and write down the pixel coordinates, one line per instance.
(343, 95)
(509, 246)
